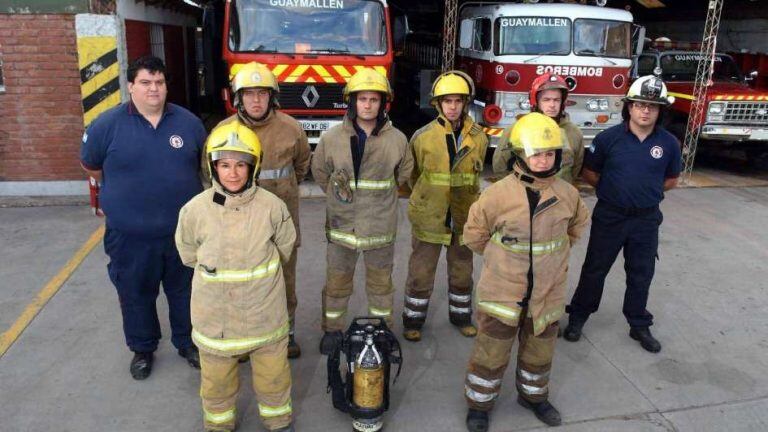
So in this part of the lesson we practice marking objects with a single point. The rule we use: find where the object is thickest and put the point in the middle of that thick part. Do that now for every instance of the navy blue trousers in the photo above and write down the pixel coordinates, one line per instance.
(137, 266)
(613, 230)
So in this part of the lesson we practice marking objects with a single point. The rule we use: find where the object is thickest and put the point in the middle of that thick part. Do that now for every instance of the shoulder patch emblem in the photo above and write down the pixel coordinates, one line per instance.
(657, 152)
(176, 141)
(85, 137)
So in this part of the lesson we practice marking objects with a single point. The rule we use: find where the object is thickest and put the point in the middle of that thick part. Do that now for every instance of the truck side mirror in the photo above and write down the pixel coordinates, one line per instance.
(400, 31)
(638, 37)
(657, 71)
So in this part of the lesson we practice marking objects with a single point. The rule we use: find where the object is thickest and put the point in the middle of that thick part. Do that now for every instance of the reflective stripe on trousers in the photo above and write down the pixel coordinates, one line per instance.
(219, 418)
(240, 343)
(276, 174)
(268, 411)
(360, 242)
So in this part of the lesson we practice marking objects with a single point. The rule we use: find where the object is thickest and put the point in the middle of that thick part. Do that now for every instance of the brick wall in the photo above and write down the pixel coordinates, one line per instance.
(41, 114)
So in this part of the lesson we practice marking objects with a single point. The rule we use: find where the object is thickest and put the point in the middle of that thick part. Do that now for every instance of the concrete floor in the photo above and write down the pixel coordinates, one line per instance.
(69, 370)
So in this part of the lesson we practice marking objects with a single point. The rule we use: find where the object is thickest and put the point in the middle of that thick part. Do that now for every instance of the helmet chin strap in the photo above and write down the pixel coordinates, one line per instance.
(544, 174)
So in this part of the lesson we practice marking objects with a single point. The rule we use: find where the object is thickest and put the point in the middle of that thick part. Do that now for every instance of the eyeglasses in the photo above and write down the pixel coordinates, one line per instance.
(644, 106)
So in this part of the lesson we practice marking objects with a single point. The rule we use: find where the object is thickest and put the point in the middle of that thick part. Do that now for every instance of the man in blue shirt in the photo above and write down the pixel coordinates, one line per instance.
(146, 153)
(630, 165)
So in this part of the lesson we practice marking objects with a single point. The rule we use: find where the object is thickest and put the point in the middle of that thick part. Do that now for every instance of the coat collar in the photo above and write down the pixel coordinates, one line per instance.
(228, 200)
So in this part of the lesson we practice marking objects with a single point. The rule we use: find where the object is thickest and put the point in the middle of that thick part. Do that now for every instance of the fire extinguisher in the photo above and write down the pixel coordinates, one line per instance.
(94, 187)
(369, 348)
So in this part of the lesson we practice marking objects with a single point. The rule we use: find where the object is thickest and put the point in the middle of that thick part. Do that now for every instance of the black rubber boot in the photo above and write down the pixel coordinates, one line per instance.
(192, 355)
(646, 339)
(329, 342)
(544, 411)
(572, 332)
(477, 421)
(141, 365)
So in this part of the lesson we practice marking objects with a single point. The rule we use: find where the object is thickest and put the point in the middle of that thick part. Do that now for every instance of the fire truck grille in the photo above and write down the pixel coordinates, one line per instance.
(746, 112)
(311, 96)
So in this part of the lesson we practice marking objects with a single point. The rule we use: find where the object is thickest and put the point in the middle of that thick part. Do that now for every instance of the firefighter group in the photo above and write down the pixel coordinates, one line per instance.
(214, 218)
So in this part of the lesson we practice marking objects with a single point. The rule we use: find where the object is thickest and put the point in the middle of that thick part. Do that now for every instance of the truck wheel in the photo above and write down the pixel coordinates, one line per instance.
(759, 160)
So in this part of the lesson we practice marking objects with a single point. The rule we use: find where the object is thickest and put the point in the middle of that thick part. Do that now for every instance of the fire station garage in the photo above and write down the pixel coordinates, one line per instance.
(64, 364)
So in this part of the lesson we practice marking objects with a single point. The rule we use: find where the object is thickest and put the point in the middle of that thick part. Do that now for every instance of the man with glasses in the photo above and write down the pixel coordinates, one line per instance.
(630, 165)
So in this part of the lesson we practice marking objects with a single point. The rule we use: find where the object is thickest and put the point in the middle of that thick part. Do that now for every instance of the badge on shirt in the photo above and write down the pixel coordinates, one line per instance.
(176, 141)
(657, 152)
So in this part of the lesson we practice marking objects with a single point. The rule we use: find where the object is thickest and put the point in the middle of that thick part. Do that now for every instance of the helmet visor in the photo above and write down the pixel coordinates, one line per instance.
(230, 154)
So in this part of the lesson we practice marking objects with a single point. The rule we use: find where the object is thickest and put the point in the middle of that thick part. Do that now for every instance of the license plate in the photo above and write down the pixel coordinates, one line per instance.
(314, 125)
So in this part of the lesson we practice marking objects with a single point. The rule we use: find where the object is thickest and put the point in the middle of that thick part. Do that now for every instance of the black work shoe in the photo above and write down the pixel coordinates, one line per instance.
(544, 411)
(294, 350)
(329, 342)
(646, 339)
(141, 365)
(477, 421)
(192, 355)
(572, 332)
(288, 428)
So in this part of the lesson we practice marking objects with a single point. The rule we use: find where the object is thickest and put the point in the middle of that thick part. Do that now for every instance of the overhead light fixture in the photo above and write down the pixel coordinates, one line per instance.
(651, 4)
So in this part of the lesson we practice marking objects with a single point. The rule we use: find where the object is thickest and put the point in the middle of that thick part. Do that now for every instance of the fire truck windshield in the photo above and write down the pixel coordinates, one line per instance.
(533, 35)
(682, 66)
(592, 37)
(355, 27)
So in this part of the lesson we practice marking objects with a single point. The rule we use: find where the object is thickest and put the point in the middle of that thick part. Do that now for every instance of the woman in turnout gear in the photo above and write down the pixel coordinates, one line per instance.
(285, 159)
(524, 226)
(547, 96)
(360, 164)
(237, 236)
(448, 153)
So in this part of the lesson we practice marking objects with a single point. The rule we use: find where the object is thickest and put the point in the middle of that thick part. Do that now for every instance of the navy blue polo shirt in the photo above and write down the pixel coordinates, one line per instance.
(632, 172)
(148, 173)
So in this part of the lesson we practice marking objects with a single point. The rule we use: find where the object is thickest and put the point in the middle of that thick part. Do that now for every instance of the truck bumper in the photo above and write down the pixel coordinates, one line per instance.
(734, 133)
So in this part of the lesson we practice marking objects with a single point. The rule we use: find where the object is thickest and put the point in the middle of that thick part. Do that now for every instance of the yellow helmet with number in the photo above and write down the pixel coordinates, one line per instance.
(252, 75)
(233, 140)
(535, 133)
(367, 80)
(452, 83)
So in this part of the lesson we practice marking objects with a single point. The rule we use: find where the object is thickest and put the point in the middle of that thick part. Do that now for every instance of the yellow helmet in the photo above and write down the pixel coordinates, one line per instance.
(367, 80)
(233, 140)
(452, 83)
(534, 133)
(252, 75)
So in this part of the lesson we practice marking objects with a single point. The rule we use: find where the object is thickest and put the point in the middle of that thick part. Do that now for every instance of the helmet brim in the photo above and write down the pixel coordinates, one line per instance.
(663, 102)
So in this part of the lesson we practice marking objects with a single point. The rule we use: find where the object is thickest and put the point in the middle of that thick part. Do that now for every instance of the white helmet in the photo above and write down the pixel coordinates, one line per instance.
(651, 89)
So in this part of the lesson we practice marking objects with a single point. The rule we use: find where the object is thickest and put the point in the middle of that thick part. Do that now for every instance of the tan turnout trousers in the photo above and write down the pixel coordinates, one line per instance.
(219, 385)
(341, 263)
(491, 355)
(421, 281)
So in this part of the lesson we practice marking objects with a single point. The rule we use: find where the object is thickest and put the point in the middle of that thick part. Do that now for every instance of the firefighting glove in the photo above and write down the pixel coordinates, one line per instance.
(342, 190)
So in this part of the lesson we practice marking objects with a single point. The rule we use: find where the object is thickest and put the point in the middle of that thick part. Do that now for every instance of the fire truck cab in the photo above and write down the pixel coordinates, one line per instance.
(735, 115)
(313, 47)
(505, 46)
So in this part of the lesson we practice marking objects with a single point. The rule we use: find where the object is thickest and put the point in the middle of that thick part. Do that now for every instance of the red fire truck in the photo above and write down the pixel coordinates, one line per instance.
(736, 116)
(505, 46)
(313, 47)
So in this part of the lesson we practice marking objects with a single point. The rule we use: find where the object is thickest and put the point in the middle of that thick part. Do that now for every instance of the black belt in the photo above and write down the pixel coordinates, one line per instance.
(629, 211)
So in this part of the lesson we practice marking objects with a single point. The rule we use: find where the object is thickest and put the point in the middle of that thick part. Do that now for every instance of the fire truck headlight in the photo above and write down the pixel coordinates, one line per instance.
(597, 105)
(524, 104)
(716, 108)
